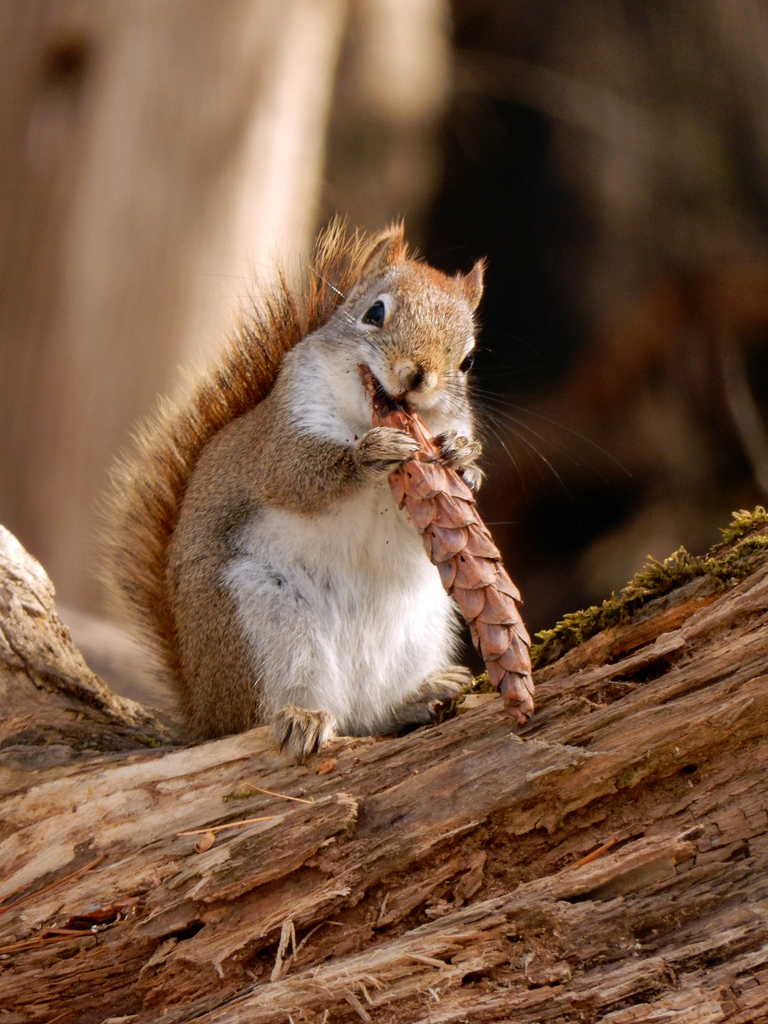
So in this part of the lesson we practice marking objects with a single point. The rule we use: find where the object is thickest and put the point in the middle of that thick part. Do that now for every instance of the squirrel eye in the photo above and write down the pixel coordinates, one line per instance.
(467, 362)
(375, 315)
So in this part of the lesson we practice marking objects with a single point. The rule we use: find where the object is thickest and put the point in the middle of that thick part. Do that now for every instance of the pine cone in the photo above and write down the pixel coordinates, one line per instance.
(443, 509)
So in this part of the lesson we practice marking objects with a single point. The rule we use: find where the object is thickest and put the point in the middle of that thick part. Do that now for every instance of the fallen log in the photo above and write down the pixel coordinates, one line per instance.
(605, 862)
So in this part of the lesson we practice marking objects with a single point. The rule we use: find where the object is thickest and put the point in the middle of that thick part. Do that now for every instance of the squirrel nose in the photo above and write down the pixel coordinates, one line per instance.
(410, 375)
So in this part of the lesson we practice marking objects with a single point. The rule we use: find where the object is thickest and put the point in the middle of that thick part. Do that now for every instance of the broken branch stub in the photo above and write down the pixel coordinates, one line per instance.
(442, 507)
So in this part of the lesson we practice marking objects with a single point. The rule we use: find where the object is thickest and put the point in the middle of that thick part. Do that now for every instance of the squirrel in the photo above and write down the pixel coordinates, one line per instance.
(251, 533)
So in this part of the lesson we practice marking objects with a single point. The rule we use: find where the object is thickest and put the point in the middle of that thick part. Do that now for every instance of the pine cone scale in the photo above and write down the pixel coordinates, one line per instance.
(421, 512)
(470, 602)
(424, 479)
(472, 572)
(516, 690)
(498, 608)
(505, 585)
(494, 640)
(397, 486)
(514, 659)
(447, 572)
(480, 543)
(452, 513)
(447, 542)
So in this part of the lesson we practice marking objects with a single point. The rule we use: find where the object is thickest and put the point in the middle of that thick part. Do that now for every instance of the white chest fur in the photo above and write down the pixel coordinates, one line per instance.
(343, 609)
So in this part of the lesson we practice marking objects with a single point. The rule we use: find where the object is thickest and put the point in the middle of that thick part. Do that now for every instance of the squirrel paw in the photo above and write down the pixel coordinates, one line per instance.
(421, 708)
(383, 449)
(461, 454)
(303, 731)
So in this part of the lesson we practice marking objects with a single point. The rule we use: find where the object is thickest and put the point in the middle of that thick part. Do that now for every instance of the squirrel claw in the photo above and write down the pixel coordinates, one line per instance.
(303, 731)
(422, 708)
(461, 454)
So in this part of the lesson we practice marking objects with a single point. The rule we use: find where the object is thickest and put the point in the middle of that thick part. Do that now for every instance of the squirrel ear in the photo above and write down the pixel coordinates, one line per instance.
(389, 249)
(472, 284)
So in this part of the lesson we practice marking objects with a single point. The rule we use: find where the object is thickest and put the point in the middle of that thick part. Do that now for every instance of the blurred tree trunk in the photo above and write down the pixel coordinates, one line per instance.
(152, 155)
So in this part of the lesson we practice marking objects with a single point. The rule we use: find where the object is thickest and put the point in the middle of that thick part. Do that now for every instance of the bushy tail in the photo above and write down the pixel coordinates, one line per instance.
(148, 482)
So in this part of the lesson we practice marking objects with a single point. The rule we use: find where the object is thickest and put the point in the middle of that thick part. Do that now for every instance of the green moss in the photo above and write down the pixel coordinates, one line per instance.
(148, 741)
(728, 561)
(743, 524)
(243, 794)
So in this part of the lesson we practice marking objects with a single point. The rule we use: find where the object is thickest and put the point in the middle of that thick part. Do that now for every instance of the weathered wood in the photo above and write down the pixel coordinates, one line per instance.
(439, 876)
(55, 708)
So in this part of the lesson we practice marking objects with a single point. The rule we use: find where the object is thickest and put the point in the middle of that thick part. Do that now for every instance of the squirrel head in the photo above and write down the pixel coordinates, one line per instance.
(413, 326)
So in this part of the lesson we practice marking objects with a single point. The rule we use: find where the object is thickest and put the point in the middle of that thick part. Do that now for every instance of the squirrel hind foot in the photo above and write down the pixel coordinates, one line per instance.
(303, 731)
(423, 706)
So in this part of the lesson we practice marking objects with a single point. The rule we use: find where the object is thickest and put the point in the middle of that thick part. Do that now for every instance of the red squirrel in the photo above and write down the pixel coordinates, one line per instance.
(251, 531)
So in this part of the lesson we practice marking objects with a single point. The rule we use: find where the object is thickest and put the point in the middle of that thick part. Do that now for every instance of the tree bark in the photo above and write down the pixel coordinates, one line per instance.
(605, 862)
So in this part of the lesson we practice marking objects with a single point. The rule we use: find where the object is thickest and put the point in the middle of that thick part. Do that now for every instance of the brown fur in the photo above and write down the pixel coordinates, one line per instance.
(149, 482)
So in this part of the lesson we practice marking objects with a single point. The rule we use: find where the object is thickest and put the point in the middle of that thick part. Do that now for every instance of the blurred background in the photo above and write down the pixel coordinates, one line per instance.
(609, 157)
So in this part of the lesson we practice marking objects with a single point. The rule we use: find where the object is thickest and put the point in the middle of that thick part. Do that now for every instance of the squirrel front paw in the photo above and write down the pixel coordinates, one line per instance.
(461, 454)
(303, 731)
(383, 449)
